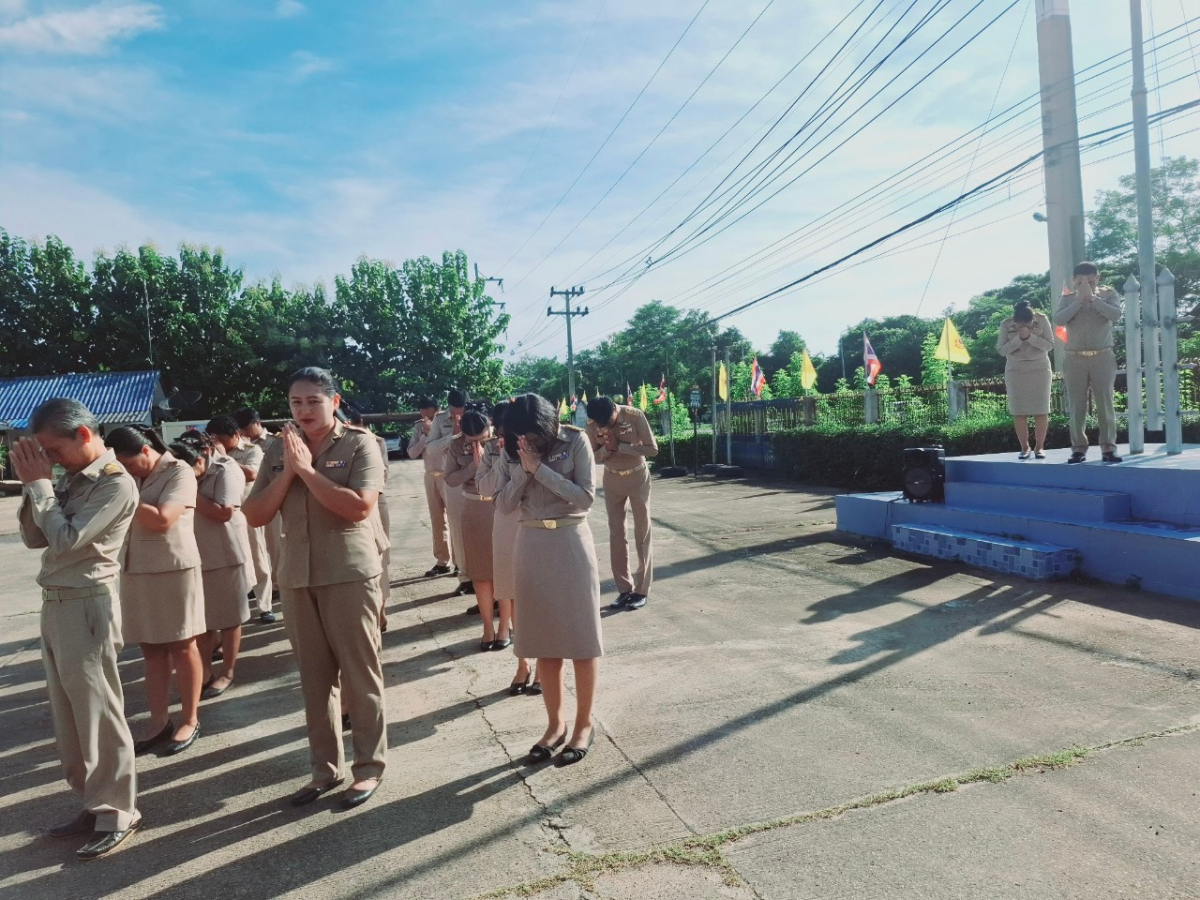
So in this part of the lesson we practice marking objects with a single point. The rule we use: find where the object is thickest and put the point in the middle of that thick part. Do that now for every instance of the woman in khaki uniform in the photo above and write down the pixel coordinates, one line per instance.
(323, 479)
(225, 558)
(553, 488)
(162, 595)
(465, 459)
(1025, 341)
(354, 417)
(491, 477)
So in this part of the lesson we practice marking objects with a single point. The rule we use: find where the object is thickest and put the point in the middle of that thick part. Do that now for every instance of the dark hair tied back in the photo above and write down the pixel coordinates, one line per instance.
(474, 422)
(1022, 311)
(322, 378)
(128, 440)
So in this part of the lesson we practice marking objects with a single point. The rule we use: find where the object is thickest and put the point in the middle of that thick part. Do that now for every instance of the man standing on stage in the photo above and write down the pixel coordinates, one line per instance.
(622, 440)
(82, 522)
(1089, 314)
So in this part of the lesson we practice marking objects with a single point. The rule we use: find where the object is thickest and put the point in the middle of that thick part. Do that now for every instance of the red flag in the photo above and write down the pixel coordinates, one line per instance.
(870, 361)
(574, 403)
(757, 379)
(628, 395)
(1061, 333)
(662, 391)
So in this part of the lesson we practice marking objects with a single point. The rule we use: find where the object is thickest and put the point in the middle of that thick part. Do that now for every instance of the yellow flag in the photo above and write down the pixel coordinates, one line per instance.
(563, 410)
(808, 372)
(585, 398)
(644, 403)
(951, 346)
(723, 382)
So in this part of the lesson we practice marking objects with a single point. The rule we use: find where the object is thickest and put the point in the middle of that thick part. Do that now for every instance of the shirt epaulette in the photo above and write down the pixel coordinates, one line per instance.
(112, 469)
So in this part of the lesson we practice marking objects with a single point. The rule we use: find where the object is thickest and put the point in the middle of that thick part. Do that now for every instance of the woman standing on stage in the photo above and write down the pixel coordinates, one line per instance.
(324, 480)
(553, 489)
(162, 595)
(469, 454)
(491, 478)
(1025, 341)
(225, 559)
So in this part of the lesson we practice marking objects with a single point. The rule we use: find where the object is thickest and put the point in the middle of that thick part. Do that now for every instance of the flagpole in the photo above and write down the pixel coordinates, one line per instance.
(728, 411)
(714, 403)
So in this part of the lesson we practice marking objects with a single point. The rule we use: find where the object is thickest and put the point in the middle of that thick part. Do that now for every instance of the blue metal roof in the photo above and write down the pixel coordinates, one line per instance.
(111, 396)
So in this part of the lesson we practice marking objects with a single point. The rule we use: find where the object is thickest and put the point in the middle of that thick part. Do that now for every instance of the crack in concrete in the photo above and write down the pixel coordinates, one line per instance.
(646, 778)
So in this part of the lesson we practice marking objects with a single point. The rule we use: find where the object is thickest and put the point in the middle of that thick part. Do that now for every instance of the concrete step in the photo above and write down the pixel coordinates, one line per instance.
(1062, 504)
(1000, 553)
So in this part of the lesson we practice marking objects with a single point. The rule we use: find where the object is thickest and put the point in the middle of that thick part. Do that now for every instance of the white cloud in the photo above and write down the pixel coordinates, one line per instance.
(11, 9)
(289, 9)
(90, 92)
(306, 64)
(85, 31)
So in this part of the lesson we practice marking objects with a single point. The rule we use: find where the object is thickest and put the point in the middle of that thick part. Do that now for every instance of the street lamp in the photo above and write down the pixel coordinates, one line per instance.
(1040, 216)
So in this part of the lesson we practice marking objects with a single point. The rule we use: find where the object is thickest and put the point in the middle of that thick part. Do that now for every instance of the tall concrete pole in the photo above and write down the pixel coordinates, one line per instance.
(1145, 215)
(567, 296)
(1060, 143)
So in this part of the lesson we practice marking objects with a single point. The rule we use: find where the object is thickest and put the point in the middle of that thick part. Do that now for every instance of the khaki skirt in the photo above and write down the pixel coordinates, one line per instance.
(477, 518)
(558, 591)
(504, 540)
(162, 607)
(227, 596)
(1028, 389)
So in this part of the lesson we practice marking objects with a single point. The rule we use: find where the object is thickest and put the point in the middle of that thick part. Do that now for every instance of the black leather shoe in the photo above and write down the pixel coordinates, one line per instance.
(307, 795)
(437, 570)
(501, 643)
(212, 693)
(353, 798)
(572, 755)
(1076, 458)
(84, 823)
(174, 747)
(104, 842)
(145, 746)
(539, 753)
(267, 618)
(635, 601)
(1111, 457)
(620, 602)
(465, 588)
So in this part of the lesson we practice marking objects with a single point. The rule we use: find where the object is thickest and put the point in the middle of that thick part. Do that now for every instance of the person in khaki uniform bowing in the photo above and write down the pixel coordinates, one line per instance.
(82, 523)
(621, 439)
(418, 449)
(248, 456)
(162, 592)
(252, 430)
(1089, 314)
(446, 426)
(323, 479)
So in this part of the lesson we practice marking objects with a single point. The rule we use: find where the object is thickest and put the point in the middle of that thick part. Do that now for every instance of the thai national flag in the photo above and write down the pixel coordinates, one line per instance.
(757, 379)
(870, 361)
(662, 391)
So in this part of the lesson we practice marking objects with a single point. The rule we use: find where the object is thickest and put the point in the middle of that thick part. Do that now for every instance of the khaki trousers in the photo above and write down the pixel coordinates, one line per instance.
(260, 556)
(80, 641)
(437, 519)
(273, 531)
(453, 499)
(632, 489)
(334, 632)
(385, 582)
(1098, 373)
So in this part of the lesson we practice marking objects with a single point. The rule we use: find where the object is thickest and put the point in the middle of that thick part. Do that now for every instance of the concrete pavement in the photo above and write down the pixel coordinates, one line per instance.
(793, 715)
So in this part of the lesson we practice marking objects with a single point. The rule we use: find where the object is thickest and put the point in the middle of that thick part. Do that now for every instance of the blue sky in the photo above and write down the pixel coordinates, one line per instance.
(298, 135)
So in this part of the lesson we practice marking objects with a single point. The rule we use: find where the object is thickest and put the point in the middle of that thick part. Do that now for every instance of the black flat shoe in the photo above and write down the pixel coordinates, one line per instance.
(1023, 455)
(539, 753)
(353, 798)
(267, 618)
(104, 842)
(307, 795)
(1038, 454)
(485, 646)
(463, 589)
(147, 744)
(174, 747)
(212, 693)
(535, 689)
(217, 655)
(518, 687)
(437, 570)
(501, 643)
(572, 755)
(84, 823)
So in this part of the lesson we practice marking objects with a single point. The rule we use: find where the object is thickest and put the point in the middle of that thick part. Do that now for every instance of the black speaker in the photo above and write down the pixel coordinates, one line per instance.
(925, 475)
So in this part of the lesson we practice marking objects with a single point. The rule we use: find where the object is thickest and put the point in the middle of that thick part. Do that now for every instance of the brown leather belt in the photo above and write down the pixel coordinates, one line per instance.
(551, 524)
(1088, 352)
(99, 590)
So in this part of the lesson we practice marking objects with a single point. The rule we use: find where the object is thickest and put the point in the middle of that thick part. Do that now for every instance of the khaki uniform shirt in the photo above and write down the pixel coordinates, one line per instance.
(249, 455)
(223, 544)
(635, 440)
(82, 522)
(492, 475)
(564, 486)
(147, 552)
(317, 546)
(424, 434)
(1089, 325)
(461, 468)
(1030, 355)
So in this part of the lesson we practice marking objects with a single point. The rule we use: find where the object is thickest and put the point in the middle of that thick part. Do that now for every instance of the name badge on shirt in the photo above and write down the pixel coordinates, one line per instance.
(335, 464)
(557, 456)
(276, 468)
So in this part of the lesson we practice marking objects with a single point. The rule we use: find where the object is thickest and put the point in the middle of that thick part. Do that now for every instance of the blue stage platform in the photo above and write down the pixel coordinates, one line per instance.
(1137, 522)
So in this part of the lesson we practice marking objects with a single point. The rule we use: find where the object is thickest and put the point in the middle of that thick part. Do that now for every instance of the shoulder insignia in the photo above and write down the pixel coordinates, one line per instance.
(112, 469)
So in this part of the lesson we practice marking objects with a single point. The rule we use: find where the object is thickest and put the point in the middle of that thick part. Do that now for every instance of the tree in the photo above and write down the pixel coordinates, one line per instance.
(787, 344)
(1175, 196)
(543, 375)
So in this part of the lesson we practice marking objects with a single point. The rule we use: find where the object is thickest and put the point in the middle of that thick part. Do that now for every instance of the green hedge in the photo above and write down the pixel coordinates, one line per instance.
(684, 451)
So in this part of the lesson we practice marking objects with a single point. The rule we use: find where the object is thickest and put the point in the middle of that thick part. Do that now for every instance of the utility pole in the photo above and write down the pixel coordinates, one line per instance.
(1060, 145)
(1150, 320)
(714, 403)
(568, 295)
(728, 412)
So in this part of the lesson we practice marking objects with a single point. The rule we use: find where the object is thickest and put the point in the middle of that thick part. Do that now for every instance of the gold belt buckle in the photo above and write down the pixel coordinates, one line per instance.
(549, 524)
